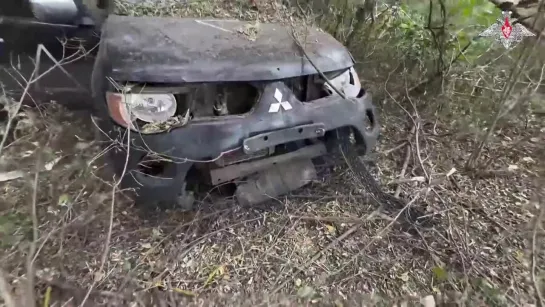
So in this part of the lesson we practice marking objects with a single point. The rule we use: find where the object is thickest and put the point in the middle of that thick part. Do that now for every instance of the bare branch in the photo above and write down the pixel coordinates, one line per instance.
(33, 80)
(35, 234)
(106, 251)
(535, 251)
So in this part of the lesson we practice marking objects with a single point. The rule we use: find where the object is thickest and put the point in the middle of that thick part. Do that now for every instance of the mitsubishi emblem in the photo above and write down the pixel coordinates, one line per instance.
(275, 106)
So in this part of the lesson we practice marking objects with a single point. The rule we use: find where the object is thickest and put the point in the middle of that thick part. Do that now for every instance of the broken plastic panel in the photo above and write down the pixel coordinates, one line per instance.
(348, 83)
(276, 181)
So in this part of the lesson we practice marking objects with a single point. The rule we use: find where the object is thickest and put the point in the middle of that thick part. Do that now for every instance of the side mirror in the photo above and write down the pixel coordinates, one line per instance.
(55, 11)
(72, 12)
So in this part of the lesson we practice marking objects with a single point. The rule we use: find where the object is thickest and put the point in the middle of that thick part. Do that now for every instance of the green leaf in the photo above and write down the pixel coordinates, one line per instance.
(47, 297)
(440, 273)
(217, 272)
(468, 12)
(64, 200)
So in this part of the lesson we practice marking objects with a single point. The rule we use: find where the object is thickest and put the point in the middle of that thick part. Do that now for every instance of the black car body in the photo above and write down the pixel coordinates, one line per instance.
(184, 98)
(67, 29)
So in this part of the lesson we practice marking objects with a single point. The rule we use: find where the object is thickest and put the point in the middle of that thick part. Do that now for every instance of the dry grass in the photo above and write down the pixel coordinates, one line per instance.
(478, 246)
(481, 252)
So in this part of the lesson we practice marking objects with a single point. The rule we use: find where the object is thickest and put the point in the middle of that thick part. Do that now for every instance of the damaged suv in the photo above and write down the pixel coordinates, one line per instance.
(187, 101)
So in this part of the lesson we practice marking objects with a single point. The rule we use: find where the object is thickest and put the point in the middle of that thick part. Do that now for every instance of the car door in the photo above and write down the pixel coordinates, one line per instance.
(68, 29)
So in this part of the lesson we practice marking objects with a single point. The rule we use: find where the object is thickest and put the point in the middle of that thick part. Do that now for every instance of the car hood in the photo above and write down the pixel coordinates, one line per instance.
(174, 50)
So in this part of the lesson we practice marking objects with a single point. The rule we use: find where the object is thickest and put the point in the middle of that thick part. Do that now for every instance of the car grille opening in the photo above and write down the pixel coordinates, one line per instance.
(217, 99)
(369, 120)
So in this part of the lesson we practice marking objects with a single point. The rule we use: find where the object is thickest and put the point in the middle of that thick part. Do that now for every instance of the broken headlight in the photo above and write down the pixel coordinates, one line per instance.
(125, 109)
(347, 83)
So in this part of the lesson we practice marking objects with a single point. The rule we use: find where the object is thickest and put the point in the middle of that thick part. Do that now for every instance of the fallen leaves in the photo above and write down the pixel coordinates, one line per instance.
(250, 31)
(145, 245)
(218, 272)
(12, 175)
(306, 292)
(512, 167)
(428, 301)
(528, 160)
(184, 292)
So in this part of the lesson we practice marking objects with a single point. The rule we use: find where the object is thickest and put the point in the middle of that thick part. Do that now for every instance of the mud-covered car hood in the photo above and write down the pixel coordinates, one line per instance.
(173, 50)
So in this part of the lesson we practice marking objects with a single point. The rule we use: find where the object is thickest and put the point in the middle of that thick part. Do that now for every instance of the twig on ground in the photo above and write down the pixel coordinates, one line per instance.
(331, 219)
(418, 153)
(65, 286)
(329, 246)
(32, 249)
(12, 175)
(403, 169)
(379, 234)
(537, 287)
(389, 151)
(278, 234)
(187, 247)
(406, 180)
(417, 125)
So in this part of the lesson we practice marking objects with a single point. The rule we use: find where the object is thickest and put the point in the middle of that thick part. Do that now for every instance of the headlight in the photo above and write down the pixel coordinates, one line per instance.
(149, 108)
(347, 82)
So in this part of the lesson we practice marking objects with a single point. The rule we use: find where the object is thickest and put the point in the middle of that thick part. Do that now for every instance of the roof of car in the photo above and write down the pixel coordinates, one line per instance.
(172, 50)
